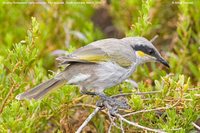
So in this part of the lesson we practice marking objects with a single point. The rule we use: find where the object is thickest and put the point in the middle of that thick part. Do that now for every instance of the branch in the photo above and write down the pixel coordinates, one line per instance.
(144, 111)
(196, 126)
(90, 106)
(88, 119)
(121, 125)
(7, 97)
(110, 127)
(137, 125)
(154, 38)
(156, 109)
(112, 121)
(137, 93)
(145, 93)
(122, 119)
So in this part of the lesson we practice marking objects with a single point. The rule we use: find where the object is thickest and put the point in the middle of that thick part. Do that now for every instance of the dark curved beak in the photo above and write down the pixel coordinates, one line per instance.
(164, 62)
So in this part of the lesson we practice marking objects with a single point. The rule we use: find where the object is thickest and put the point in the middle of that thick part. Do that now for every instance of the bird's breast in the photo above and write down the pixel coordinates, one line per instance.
(109, 74)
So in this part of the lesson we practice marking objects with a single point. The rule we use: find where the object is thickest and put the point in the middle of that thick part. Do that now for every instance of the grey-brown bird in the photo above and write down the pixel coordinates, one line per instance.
(99, 65)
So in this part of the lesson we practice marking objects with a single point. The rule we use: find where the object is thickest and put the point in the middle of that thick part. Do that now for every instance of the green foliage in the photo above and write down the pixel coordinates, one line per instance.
(41, 29)
(140, 28)
(136, 102)
(185, 44)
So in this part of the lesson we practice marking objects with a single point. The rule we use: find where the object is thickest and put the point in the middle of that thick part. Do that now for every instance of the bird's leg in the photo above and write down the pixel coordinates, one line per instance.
(84, 91)
(111, 103)
(120, 89)
(99, 103)
(88, 93)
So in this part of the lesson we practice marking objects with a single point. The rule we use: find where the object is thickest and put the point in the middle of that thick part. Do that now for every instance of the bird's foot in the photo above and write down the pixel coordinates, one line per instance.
(112, 104)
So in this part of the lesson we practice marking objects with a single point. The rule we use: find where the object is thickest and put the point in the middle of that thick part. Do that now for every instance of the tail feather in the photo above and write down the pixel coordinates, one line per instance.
(39, 91)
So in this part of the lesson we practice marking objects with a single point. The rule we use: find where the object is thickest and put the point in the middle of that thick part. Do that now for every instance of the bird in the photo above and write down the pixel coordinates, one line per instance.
(99, 65)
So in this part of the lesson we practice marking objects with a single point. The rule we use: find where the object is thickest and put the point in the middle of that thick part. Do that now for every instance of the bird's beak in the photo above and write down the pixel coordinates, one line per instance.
(163, 61)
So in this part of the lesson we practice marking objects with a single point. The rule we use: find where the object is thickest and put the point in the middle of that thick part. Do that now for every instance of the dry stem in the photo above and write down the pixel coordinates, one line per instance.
(122, 119)
(154, 38)
(88, 120)
(196, 126)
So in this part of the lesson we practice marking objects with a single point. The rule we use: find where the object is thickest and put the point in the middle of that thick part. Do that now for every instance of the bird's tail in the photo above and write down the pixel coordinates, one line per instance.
(39, 91)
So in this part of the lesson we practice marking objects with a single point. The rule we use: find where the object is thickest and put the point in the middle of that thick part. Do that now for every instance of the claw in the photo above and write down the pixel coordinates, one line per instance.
(112, 104)
(113, 111)
(100, 104)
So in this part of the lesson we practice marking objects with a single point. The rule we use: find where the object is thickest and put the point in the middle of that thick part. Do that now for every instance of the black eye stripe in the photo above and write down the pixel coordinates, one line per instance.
(145, 49)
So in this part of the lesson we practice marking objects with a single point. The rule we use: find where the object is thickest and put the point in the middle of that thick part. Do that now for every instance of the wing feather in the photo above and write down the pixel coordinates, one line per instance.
(101, 51)
(87, 54)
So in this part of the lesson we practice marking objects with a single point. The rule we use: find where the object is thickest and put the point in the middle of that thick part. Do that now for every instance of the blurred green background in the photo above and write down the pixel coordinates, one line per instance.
(33, 35)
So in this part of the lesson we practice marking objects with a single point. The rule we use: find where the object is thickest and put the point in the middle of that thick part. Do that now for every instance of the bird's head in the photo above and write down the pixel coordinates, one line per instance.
(145, 51)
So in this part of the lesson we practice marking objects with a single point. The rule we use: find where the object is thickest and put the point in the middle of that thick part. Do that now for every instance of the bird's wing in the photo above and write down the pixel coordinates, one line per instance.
(87, 54)
(100, 51)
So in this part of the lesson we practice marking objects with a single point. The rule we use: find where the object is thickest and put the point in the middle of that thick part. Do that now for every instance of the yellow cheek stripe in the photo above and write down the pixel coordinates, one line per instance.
(140, 53)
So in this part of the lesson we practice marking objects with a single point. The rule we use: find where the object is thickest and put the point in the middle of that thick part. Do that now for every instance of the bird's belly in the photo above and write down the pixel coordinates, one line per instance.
(106, 75)
(95, 77)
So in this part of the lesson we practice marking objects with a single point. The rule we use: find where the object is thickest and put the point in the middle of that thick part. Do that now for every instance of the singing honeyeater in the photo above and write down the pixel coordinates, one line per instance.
(99, 65)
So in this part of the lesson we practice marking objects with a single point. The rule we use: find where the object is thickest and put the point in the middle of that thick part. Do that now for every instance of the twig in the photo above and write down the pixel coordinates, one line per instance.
(120, 95)
(78, 99)
(196, 126)
(197, 95)
(88, 105)
(11, 89)
(145, 93)
(154, 38)
(150, 110)
(176, 129)
(112, 119)
(122, 119)
(88, 119)
(85, 105)
(137, 93)
(110, 127)
(6, 98)
(144, 111)
(132, 82)
(121, 125)
(137, 125)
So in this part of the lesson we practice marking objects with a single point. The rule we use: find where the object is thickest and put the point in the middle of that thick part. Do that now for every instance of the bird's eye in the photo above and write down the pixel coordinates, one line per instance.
(150, 51)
